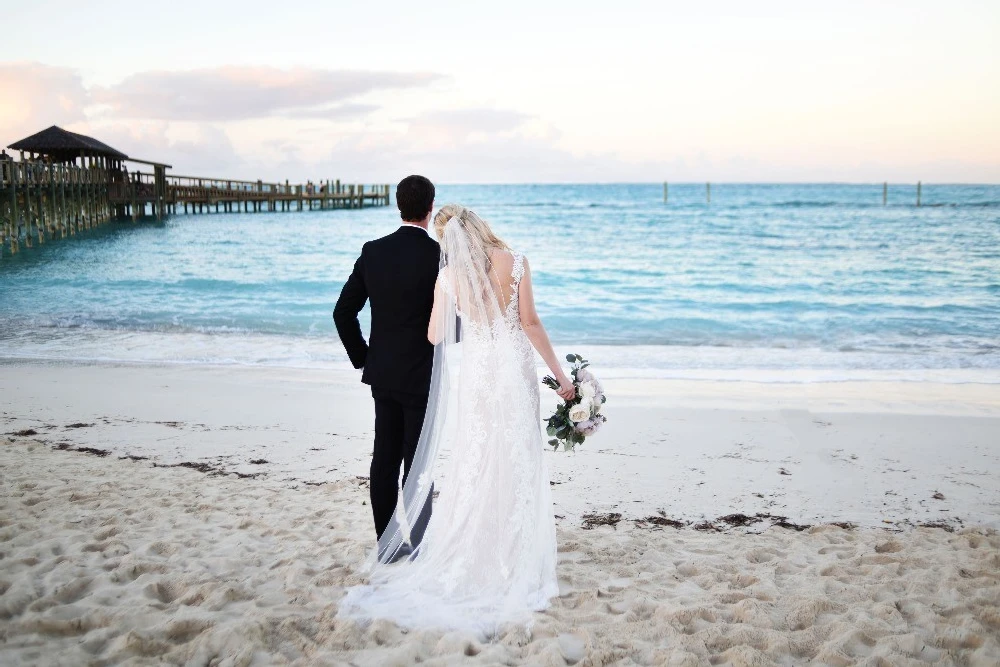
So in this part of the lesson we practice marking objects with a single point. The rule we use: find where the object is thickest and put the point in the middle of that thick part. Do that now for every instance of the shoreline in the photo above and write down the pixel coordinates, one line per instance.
(801, 376)
(322, 352)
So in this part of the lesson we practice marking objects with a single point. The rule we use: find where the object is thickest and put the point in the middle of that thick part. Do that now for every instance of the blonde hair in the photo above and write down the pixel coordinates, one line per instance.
(477, 228)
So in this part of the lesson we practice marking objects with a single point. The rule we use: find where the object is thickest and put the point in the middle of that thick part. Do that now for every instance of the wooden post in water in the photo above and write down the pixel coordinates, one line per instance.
(665, 192)
(88, 171)
(27, 204)
(6, 180)
(15, 238)
(56, 224)
(40, 186)
(885, 192)
(159, 186)
(62, 195)
(918, 193)
(131, 191)
(3, 205)
(708, 193)
(81, 192)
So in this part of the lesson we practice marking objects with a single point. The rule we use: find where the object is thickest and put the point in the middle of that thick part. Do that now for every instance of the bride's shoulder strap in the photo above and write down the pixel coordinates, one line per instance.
(517, 272)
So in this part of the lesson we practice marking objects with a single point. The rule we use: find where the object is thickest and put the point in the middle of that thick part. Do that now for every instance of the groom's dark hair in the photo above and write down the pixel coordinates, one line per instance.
(414, 198)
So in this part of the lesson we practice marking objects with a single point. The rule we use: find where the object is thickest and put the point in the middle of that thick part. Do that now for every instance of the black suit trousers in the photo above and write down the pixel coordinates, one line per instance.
(399, 416)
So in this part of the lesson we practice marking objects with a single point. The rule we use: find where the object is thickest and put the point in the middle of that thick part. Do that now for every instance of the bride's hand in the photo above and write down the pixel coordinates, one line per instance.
(566, 390)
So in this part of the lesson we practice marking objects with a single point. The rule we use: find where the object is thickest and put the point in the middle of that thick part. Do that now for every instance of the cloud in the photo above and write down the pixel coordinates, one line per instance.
(481, 119)
(204, 149)
(445, 130)
(508, 149)
(34, 96)
(240, 93)
(348, 111)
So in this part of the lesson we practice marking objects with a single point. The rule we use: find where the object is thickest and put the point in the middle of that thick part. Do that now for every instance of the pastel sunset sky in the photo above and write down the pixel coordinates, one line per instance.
(518, 91)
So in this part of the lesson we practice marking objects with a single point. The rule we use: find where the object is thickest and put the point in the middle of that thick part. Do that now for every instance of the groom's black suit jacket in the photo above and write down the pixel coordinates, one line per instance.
(397, 274)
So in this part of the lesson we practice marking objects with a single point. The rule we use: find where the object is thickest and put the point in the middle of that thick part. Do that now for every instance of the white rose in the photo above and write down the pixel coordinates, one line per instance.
(587, 389)
(580, 412)
(598, 402)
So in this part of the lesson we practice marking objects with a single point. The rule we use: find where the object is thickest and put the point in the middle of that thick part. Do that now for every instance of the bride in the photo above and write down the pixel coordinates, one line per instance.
(488, 555)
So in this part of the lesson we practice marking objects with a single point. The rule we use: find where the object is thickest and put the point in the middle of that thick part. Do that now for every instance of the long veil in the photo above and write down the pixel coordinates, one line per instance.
(469, 302)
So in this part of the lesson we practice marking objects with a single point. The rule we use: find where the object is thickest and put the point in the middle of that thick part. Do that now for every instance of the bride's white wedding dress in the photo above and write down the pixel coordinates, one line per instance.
(488, 556)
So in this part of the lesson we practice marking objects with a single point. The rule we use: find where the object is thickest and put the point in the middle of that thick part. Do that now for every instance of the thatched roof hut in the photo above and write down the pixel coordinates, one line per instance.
(64, 146)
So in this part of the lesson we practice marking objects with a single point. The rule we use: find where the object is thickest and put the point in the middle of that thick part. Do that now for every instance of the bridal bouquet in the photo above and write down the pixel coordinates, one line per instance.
(581, 417)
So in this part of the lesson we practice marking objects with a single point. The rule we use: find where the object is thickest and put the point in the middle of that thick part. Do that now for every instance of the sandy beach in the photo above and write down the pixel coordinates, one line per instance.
(213, 515)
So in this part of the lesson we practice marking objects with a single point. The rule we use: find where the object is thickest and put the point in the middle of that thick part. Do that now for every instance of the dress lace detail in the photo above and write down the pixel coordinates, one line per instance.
(517, 272)
(488, 556)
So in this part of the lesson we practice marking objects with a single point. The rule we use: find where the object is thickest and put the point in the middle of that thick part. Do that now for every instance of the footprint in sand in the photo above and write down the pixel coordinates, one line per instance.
(74, 591)
(165, 591)
(760, 556)
(111, 531)
(130, 571)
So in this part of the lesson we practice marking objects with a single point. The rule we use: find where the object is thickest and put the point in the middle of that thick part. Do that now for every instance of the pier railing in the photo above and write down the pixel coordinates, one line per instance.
(227, 195)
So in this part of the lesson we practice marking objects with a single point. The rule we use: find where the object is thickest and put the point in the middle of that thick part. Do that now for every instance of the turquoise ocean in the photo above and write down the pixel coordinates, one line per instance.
(767, 282)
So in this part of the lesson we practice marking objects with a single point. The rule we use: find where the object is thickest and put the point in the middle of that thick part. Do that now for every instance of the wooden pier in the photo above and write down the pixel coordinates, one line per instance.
(63, 183)
(195, 194)
(44, 200)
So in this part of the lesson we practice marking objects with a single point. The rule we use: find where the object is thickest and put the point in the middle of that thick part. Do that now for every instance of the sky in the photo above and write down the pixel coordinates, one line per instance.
(517, 92)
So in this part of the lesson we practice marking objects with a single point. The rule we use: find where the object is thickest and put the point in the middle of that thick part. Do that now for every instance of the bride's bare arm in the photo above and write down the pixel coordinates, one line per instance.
(532, 325)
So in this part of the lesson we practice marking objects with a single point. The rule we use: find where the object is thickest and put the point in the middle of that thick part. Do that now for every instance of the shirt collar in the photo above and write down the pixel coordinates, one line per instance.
(410, 224)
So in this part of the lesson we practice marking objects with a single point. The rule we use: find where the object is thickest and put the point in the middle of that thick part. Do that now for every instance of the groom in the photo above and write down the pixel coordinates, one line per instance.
(396, 274)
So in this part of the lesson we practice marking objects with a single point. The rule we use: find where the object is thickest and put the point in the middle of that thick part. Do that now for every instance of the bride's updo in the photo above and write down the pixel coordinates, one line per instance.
(476, 227)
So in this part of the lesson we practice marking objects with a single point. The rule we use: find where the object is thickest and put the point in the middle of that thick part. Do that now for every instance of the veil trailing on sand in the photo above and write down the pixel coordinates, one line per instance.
(469, 286)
